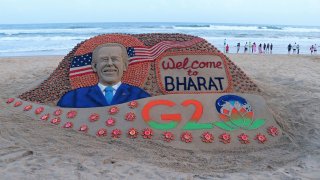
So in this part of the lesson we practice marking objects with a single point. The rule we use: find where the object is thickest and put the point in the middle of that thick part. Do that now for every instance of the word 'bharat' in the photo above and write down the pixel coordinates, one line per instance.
(195, 84)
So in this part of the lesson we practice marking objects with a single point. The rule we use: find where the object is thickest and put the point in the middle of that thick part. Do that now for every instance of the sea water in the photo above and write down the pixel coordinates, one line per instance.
(60, 38)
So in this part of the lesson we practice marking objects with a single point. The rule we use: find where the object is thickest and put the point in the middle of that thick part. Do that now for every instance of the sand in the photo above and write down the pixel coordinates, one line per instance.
(31, 149)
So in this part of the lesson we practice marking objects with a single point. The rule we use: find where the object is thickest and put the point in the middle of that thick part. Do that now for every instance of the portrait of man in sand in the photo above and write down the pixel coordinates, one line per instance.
(109, 62)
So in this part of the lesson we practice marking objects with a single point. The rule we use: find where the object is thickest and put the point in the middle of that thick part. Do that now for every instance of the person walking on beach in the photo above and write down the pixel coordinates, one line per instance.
(268, 48)
(246, 47)
(271, 47)
(254, 47)
(315, 49)
(250, 45)
(227, 48)
(311, 49)
(294, 47)
(289, 48)
(264, 47)
(238, 47)
(298, 49)
(224, 45)
(260, 48)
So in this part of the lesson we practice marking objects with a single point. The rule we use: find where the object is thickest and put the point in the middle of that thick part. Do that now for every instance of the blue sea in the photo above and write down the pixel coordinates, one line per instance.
(60, 38)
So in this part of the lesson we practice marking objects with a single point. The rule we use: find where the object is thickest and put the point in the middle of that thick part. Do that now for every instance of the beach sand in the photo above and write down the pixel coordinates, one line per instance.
(31, 149)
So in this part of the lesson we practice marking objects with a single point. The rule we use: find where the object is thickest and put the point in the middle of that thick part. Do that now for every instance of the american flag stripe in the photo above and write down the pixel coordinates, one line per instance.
(84, 68)
(150, 54)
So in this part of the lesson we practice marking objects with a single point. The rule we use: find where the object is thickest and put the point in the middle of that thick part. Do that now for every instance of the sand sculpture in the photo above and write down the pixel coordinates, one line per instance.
(199, 98)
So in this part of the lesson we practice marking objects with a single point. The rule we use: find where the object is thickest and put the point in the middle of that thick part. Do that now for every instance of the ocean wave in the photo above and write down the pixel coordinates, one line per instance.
(12, 32)
(270, 27)
(44, 38)
(193, 25)
(34, 49)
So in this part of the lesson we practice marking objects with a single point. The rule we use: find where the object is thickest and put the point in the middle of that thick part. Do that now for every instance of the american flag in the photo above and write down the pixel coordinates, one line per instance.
(142, 54)
(81, 65)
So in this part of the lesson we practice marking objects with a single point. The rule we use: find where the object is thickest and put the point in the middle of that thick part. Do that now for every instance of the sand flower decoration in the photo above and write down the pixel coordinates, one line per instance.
(273, 131)
(45, 117)
(207, 137)
(261, 138)
(130, 116)
(57, 112)
(110, 122)
(101, 132)
(168, 136)
(116, 133)
(225, 138)
(186, 137)
(147, 133)
(68, 125)
(236, 113)
(27, 108)
(83, 128)
(18, 103)
(56, 120)
(94, 117)
(113, 110)
(244, 138)
(71, 114)
(132, 133)
(39, 110)
(10, 100)
(133, 104)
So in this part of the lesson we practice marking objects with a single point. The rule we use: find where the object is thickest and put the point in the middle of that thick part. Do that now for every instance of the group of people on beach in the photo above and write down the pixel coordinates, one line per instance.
(248, 47)
(313, 49)
(295, 48)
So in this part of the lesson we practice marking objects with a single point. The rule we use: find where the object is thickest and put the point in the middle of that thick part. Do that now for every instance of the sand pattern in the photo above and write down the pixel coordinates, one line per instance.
(33, 150)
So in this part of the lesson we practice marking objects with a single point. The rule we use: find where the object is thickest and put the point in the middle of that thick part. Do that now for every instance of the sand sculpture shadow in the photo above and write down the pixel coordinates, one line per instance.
(199, 99)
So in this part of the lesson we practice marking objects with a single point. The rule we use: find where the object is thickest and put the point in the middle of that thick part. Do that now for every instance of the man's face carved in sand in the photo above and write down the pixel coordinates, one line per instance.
(109, 63)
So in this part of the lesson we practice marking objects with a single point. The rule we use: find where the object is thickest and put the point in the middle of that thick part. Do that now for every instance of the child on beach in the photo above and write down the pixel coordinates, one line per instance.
(227, 48)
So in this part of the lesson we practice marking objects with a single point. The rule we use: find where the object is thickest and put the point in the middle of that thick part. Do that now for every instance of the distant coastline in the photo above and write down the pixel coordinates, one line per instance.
(60, 38)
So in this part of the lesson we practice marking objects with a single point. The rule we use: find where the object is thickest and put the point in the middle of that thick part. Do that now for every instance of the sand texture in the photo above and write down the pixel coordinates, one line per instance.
(31, 149)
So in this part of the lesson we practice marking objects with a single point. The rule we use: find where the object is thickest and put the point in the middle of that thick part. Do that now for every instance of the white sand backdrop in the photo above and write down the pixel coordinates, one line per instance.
(31, 149)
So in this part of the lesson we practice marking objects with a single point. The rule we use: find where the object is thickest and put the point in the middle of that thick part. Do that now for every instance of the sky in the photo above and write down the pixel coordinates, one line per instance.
(277, 12)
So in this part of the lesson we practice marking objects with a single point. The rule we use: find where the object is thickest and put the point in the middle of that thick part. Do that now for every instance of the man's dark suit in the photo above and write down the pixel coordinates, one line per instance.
(92, 96)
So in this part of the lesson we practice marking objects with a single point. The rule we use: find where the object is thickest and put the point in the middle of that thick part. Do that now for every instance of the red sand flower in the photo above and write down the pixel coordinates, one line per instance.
(110, 122)
(27, 108)
(261, 138)
(83, 128)
(168, 136)
(68, 125)
(10, 100)
(225, 138)
(116, 133)
(273, 131)
(244, 138)
(18, 103)
(94, 117)
(147, 133)
(71, 114)
(57, 112)
(39, 110)
(45, 117)
(133, 104)
(101, 132)
(113, 110)
(132, 133)
(130, 116)
(186, 137)
(207, 137)
(56, 120)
